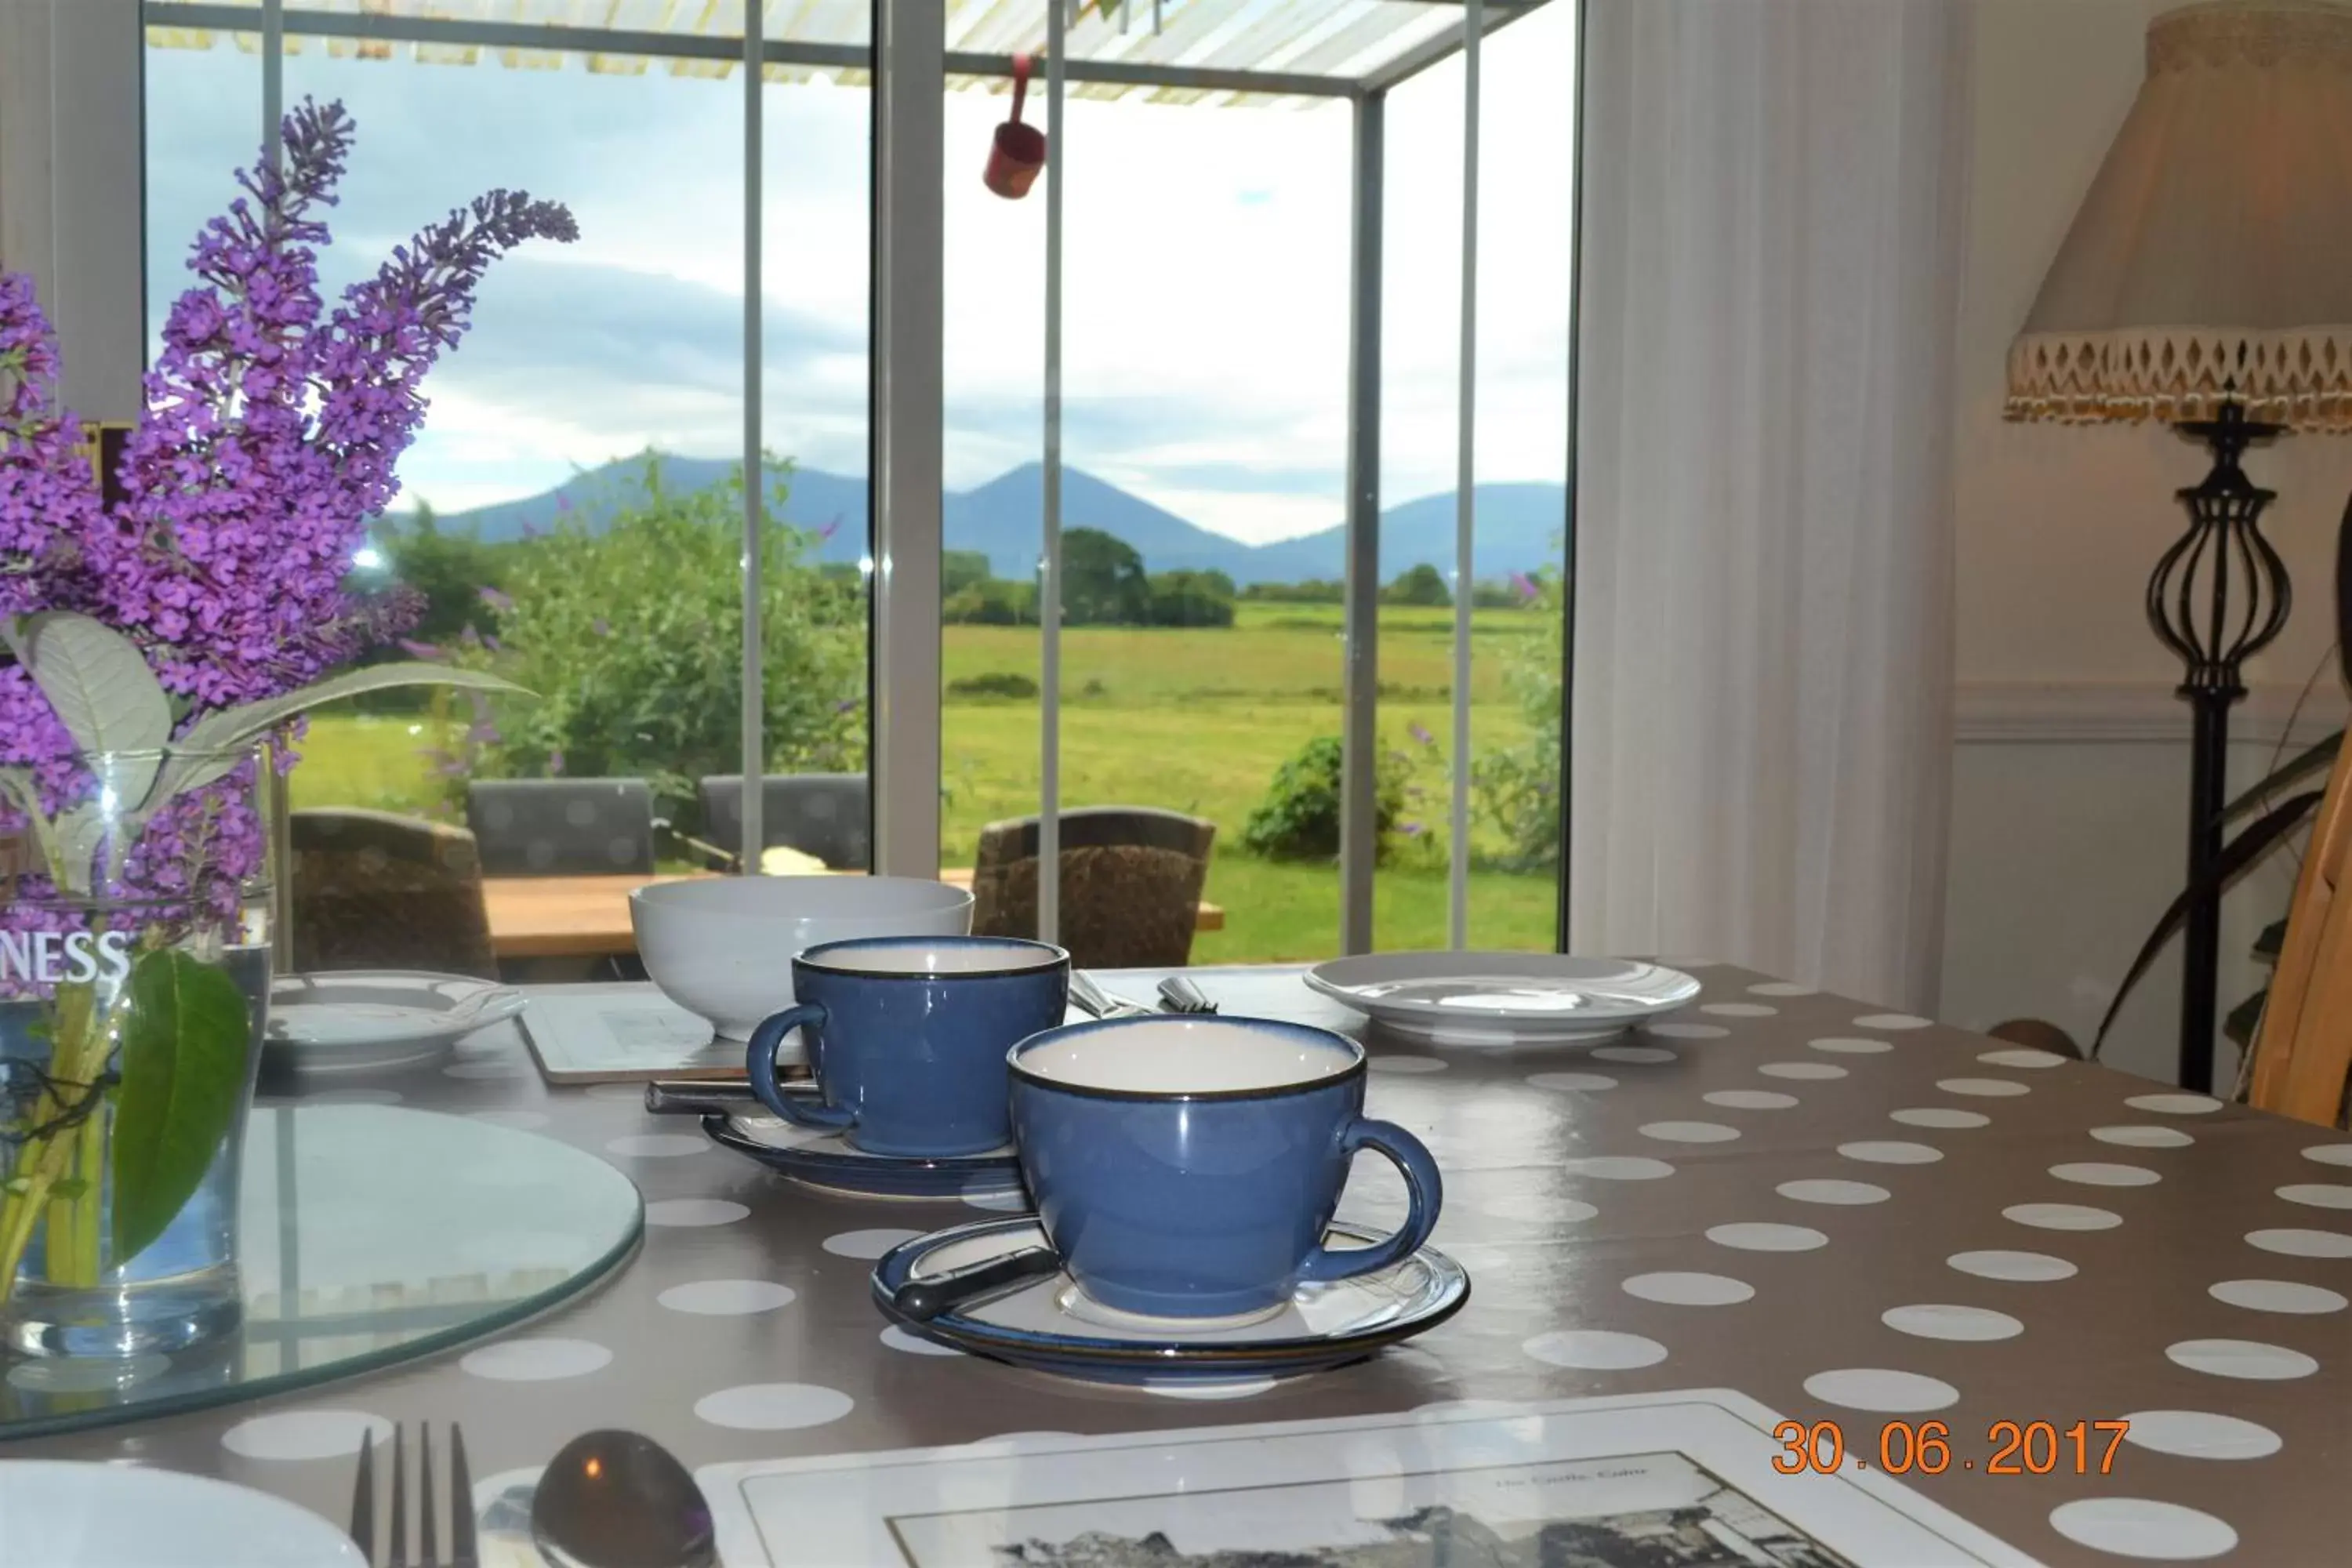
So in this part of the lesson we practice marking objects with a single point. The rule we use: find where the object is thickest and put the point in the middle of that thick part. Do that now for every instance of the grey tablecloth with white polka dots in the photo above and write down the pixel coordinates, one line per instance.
(1848, 1214)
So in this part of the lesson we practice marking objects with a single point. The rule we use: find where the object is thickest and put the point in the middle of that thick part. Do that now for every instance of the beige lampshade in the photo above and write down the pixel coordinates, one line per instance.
(2213, 253)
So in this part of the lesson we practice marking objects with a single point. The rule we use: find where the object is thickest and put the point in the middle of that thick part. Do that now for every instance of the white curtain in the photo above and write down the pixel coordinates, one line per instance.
(1760, 752)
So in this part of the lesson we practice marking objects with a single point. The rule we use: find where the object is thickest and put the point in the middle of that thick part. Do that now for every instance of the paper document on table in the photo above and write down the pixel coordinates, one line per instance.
(608, 1034)
(1661, 1480)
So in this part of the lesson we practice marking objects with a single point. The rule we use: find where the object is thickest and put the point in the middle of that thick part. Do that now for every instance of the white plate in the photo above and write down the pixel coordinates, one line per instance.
(1502, 998)
(363, 1019)
(63, 1515)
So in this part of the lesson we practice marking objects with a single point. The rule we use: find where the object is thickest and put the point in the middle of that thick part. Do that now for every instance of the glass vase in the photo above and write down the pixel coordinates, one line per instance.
(134, 990)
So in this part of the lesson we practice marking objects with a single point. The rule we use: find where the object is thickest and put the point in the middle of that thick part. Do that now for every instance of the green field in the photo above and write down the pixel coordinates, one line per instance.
(1195, 721)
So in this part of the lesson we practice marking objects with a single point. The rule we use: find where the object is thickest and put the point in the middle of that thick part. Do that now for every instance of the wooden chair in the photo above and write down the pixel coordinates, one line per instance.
(1132, 880)
(2303, 1047)
(374, 890)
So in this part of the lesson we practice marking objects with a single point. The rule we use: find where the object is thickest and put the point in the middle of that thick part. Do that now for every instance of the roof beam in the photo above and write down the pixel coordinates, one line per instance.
(1430, 50)
(378, 28)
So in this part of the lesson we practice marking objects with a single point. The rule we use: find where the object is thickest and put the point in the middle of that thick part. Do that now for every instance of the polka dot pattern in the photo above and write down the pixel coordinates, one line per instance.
(1950, 1118)
(693, 1214)
(867, 1244)
(2330, 1153)
(1749, 1099)
(1837, 1045)
(1639, 1056)
(2022, 1056)
(1891, 1152)
(2175, 1104)
(1891, 1021)
(2139, 1137)
(1738, 1009)
(2317, 1194)
(2199, 1435)
(2063, 1216)
(1686, 1289)
(773, 1406)
(1880, 1389)
(2020, 1268)
(725, 1298)
(1687, 1031)
(1781, 988)
(2247, 1359)
(2104, 1174)
(2277, 1296)
(1595, 1350)
(304, 1435)
(1619, 1168)
(2296, 1243)
(899, 1339)
(1983, 1088)
(1405, 1066)
(1573, 1082)
(2142, 1528)
(536, 1360)
(1815, 1071)
(1763, 1236)
(1935, 1321)
(1833, 1193)
(1689, 1132)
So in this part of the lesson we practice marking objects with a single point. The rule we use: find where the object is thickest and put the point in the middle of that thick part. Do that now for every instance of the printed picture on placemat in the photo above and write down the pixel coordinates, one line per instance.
(1648, 1511)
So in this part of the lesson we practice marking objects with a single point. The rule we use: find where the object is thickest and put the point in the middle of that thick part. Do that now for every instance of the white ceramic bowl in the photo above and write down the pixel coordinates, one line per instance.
(723, 946)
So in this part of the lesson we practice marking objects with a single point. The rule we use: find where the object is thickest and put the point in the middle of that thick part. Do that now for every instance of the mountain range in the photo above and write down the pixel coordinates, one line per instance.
(1519, 525)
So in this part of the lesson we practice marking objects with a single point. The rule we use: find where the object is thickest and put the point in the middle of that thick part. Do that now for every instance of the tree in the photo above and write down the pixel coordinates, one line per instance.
(1422, 585)
(1517, 787)
(962, 569)
(992, 602)
(627, 638)
(1103, 583)
(450, 571)
(1192, 599)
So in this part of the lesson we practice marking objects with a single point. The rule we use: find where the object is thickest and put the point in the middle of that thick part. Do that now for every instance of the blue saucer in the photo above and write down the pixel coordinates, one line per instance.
(1051, 1326)
(827, 1160)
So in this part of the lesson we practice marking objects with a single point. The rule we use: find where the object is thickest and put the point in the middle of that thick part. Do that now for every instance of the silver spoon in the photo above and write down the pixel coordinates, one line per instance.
(619, 1499)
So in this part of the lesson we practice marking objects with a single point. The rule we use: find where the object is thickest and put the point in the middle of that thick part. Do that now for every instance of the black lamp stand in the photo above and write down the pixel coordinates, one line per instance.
(2216, 598)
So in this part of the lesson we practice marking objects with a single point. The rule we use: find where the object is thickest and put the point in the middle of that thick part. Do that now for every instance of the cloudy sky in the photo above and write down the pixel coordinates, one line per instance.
(1205, 263)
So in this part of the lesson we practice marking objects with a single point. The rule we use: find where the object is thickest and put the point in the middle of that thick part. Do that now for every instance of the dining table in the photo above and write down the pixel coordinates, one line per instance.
(1851, 1217)
(588, 916)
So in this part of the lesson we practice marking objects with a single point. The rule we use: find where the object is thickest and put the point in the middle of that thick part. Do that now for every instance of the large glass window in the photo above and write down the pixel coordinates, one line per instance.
(573, 514)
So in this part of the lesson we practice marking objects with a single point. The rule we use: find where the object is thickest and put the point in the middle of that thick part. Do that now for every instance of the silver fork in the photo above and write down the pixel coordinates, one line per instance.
(463, 1551)
(1179, 995)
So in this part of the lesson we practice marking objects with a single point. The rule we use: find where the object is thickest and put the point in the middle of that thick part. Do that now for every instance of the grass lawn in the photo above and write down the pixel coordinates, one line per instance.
(1195, 721)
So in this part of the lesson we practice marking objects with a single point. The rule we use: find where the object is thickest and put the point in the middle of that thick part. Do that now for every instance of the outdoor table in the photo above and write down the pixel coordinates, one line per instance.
(1768, 1191)
(588, 917)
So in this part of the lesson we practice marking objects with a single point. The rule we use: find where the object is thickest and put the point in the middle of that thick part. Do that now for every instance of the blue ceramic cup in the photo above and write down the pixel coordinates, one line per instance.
(1187, 1167)
(908, 1037)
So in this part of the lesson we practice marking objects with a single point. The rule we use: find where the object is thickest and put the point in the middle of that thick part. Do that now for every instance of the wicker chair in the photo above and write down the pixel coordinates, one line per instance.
(373, 890)
(1131, 879)
(829, 815)
(562, 827)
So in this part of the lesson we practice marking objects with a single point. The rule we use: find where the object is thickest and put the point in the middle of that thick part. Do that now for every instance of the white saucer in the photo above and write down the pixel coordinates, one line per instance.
(364, 1019)
(1502, 998)
(62, 1515)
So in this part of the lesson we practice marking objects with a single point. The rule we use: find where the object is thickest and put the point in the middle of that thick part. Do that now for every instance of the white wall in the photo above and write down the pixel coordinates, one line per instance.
(2070, 774)
(70, 186)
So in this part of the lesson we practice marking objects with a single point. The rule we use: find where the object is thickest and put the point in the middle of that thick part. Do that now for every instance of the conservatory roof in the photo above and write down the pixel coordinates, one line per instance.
(1166, 51)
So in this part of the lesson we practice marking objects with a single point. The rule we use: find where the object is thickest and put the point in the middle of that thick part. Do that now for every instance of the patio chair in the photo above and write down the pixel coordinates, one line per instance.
(1131, 879)
(829, 815)
(374, 890)
(562, 827)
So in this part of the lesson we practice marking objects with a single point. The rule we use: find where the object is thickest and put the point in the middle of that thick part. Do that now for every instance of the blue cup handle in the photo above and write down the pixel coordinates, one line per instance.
(760, 1062)
(1425, 1193)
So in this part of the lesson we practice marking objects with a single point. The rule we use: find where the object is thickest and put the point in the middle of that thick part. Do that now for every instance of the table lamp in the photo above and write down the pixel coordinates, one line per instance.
(2207, 281)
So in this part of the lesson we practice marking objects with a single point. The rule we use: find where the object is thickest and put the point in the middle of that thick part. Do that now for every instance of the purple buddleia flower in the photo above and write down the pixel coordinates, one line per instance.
(423, 650)
(601, 627)
(555, 764)
(266, 447)
(497, 600)
(1420, 732)
(562, 501)
(1525, 586)
(828, 530)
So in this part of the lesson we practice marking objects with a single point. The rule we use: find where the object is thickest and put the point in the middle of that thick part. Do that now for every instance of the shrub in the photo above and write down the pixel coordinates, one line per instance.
(1315, 591)
(1423, 585)
(1517, 789)
(993, 602)
(1192, 599)
(1005, 684)
(1299, 817)
(629, 637)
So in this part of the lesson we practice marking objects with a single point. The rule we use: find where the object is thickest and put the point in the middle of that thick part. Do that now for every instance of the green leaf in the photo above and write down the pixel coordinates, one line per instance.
(184, 1060)
(2271, 942)
(98, 681)
(230, 728)
(2312, 759)
(2239, 1026)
